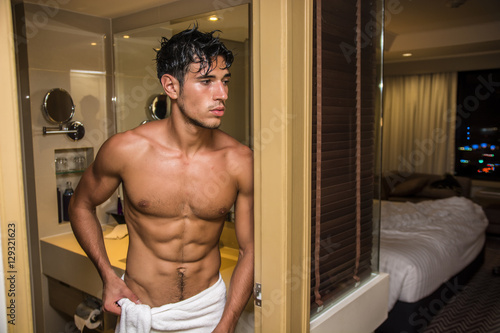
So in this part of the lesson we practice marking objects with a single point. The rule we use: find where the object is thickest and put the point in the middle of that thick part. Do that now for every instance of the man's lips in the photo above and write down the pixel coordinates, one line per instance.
(219, 112)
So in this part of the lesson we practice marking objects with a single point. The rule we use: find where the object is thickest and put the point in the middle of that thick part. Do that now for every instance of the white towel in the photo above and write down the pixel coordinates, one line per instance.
(200, 313)
(134, 317)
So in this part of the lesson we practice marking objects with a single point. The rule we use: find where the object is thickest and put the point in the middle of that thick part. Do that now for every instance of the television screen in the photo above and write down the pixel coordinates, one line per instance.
(477, 139)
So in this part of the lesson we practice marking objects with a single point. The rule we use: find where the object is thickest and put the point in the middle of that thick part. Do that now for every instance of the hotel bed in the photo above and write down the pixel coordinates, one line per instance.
(430, 249)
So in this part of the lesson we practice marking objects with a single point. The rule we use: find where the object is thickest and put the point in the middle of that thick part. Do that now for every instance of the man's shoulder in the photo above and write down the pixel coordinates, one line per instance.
(233, 146)
(138, 135)
(238, 158)
(128, 143)
(120, 141)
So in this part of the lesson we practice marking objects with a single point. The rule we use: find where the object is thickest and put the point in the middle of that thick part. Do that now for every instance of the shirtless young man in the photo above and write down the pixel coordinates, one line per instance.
(180, 177)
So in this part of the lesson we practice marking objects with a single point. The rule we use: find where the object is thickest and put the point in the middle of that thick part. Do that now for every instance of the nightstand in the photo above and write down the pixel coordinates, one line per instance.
(489, 199)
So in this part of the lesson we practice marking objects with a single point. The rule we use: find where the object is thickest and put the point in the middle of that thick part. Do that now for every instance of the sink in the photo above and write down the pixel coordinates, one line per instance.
(226, 263)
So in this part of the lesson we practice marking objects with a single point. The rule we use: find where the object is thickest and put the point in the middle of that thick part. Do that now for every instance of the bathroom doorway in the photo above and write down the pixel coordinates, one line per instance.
(85, 29)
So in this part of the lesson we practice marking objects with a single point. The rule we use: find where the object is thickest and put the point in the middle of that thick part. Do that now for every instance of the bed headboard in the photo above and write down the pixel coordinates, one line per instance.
(398, 186)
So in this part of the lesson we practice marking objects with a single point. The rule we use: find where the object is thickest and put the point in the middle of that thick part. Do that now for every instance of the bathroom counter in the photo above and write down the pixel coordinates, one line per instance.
(64, 260)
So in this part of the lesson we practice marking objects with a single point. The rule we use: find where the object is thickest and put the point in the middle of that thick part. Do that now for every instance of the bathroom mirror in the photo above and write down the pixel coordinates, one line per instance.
(159, 107)
(136, 83)
(58, 106)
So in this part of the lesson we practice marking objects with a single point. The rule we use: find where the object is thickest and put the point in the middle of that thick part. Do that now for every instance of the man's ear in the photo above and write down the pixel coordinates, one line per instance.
(171, 86)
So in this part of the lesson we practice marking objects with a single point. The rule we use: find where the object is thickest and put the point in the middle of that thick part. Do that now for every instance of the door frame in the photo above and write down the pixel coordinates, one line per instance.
(282, 108)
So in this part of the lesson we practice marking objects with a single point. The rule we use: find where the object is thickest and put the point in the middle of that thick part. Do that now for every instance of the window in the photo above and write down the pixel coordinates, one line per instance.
(477, 139)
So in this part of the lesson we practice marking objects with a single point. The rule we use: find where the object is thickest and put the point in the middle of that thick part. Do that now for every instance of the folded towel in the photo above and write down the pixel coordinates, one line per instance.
(200, 313)
(118, 232)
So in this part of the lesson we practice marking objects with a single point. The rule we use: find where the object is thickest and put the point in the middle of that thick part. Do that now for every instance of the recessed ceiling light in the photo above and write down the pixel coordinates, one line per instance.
(407, 54)
(213, 18)
(93, 44)
(126, 36)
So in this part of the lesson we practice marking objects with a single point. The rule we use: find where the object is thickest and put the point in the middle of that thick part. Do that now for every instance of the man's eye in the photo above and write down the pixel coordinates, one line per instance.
(205, 81)
(226, 82)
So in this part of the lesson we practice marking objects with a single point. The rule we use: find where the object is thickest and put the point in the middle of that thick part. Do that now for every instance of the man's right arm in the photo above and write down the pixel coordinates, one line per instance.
(97, 184)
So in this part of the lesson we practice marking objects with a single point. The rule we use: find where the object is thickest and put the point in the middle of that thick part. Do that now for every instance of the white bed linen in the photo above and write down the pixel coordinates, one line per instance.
(422, 245)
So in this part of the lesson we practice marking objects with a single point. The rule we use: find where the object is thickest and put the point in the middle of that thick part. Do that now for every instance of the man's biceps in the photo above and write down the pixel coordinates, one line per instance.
(245, 197)
(99, 191)
(245, 240)
(244, 227)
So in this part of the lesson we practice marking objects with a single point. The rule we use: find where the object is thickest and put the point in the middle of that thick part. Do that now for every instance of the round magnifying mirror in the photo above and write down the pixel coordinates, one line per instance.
(159, 108)
(58, 106)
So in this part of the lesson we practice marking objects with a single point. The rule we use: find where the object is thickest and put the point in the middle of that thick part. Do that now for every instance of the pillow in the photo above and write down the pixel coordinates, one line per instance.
(409, 187)
(437, 193)
(448, 183)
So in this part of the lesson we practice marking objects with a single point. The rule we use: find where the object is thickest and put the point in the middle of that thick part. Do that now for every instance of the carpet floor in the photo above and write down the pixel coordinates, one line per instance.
(477, 308)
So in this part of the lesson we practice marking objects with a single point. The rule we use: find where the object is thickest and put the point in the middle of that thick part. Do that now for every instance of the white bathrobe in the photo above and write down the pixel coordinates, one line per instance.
(200, 313)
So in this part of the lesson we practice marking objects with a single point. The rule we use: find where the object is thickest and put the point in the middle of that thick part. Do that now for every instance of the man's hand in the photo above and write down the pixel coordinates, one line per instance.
(221, 329)
(114, 290)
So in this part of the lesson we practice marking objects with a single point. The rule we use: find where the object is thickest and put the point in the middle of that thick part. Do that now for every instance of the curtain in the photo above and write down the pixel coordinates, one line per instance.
(419, 123)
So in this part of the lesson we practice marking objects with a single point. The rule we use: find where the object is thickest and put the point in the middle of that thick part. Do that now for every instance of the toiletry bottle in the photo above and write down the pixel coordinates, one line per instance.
(68, 193)
(119, 208)
(59, 215)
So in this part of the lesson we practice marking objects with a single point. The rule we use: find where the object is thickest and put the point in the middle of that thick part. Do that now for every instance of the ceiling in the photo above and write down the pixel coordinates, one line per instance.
(425, 15)
(105, 8)
(432, 29)
(428, 29)
(232, 24)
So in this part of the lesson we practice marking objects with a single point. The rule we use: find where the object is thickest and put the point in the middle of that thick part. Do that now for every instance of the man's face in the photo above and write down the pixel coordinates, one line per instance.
(203, 95)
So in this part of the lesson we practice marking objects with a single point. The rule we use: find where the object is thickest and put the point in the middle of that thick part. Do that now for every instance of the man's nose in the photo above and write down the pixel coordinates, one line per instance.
(220, 91)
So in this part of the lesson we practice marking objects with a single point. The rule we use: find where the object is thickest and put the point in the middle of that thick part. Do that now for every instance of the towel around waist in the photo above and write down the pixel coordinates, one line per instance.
(199, 313)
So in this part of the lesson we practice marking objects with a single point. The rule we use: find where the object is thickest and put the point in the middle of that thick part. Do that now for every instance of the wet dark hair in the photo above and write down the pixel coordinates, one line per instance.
(187, 47)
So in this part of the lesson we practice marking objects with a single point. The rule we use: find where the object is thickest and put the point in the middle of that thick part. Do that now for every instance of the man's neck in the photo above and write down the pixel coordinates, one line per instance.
(188, 137)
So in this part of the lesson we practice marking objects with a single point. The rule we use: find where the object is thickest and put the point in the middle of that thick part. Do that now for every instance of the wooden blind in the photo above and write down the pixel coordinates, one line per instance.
(343, 147)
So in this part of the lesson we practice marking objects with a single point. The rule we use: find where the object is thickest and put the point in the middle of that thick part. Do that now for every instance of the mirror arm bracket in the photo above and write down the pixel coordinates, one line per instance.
(56, 130)
(75, 130)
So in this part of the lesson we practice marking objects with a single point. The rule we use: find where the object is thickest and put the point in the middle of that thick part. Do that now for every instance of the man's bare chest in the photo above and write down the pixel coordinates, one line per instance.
(172, 189)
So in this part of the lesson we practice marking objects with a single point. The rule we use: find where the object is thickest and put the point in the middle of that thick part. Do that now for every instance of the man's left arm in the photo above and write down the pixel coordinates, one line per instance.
(241, 285)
